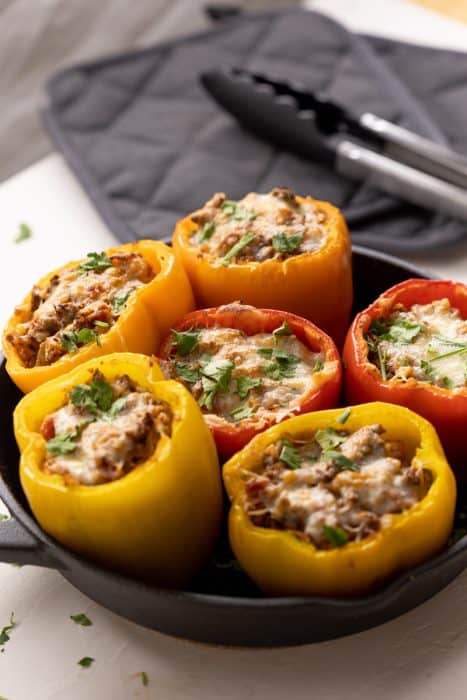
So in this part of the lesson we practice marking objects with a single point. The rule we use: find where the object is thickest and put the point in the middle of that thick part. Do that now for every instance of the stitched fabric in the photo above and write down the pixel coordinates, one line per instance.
(148, 145)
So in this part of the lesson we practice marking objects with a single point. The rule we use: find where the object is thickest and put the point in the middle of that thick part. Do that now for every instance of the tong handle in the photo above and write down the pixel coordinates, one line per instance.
(401, 180)
(412, 149)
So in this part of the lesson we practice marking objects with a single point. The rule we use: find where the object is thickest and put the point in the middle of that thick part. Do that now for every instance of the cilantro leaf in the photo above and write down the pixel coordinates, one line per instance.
(447, 383)
(284, 329)
(62, 443)
(116, 408)
(81, 619)
(95, 262)
(238, 247)
(4, 633)
(23, 234)
(344, 416)
(187, 372)
(186, 341)
(290, 455)
(120, 301)
(86, 661)
(244, 384)
(96, 396)
(144, 678)
(282, 365)
(403, 331)
(242, 413)
(286, 243)
(102, 324)
(72, 340)
(318, 366)
(328, 438)
(216, 375)
(237, 213)
(207, 231)
(339, 460)
(336, 535)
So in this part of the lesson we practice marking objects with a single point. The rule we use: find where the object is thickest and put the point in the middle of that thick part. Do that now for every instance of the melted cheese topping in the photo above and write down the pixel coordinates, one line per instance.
(272, 397)
(438, 351)
(278, 225)
(73, 301)
(108, 446)
(324, 497)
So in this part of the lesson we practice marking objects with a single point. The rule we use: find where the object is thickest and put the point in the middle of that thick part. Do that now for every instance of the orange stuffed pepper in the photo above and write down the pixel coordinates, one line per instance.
(410, 348)
(123, 299)
(250, 368)
(273, 250)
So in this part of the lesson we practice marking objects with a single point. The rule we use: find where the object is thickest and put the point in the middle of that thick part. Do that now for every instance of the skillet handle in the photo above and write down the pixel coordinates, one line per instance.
(18, 546)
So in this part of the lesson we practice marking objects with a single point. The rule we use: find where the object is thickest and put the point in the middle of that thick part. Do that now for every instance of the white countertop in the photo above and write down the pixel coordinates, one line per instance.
(420, 656)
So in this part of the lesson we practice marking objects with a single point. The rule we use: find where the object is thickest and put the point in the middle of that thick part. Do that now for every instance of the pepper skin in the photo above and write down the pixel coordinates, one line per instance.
(315, 285)
(146, 318)
(280, 564)
(160, 521)
(231, 437)
(444, 408)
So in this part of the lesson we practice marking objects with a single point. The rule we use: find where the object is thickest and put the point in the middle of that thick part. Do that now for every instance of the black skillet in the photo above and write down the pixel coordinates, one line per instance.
(221, 606)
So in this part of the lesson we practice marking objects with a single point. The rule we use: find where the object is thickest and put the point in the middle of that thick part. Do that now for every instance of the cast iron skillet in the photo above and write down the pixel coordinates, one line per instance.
(221, 606)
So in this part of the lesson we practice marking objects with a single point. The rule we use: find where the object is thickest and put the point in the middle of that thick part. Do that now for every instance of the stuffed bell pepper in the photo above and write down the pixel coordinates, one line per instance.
(334, 503)
(273, 250)
(250, 368)
(120, 467)
(410, 348)
(125, 298)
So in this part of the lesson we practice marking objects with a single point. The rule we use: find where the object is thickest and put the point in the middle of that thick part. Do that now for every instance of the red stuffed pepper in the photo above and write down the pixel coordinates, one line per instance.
(251, 368)
(410, 348)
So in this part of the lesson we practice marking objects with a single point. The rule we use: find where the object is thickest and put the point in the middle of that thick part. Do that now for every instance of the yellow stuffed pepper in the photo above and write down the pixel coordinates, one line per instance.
(275, 251)
(334, 503)
(120, 467)
(123, 299)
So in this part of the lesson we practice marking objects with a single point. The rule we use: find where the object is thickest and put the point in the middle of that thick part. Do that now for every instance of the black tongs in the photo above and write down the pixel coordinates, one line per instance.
(362, 147)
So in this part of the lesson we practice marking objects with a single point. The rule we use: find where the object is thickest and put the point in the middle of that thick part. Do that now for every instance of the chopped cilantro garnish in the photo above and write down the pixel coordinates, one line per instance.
(86, 661)
(63, 443)
(339, 460)
(81, 619)
(187, 372)
(242, 413)
(282, 363)
(72, 340)
(318, 366)
(284, 329)
(4, 633)
(116, 408)
(207, 231)
(120, 301)
(216, 375)
(244, 384)
(336, 536)
(344, 416)
(447, 383)
(458, 351)
(96, 396)
(186, 341)
(238, 247)
(428, 370)
(328, 438)
(290, 455)
(237, 213)
(102, 324)
(23, 234)
(286, 243)
(398, 331)
(95, 262)
(144, 678)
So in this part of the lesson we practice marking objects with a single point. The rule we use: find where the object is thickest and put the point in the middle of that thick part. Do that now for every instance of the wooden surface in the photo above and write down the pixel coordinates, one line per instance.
(455, 9)
(37, 37)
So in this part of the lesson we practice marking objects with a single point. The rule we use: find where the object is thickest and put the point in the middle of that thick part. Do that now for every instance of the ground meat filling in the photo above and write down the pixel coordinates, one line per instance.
(334, 487)
(426, 342)
(236, 377)
(77, 306)
(259, 227)
(104, 430)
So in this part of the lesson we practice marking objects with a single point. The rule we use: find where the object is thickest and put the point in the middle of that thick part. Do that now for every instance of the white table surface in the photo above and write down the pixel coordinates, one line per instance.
(420, 656)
